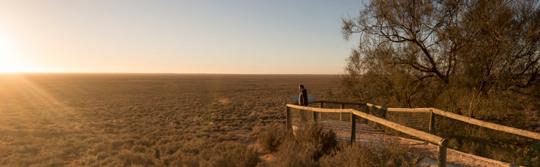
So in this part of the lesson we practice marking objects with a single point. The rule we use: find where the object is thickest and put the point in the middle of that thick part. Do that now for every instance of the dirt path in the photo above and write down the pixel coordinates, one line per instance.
(429, 152)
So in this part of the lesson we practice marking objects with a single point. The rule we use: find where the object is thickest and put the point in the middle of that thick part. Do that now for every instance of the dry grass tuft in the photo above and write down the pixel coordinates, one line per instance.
(226, 154)
(230, 154)
(271, 137)
(314, 146)
(305, 149)
(369, 156)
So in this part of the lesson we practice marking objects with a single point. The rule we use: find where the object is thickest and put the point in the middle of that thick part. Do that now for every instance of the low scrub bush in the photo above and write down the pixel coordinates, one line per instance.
(129, 158)
(293, 154)
(313, 146)
(305, 149)
(271, 137)
(369, 156)
(225, 154)
(323, 141)
(230, 154)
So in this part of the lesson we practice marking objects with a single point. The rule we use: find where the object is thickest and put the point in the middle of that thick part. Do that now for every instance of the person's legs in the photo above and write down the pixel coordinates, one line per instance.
(303, 117)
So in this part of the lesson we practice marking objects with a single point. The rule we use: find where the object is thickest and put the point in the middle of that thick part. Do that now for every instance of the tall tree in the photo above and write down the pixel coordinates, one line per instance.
(417, 50)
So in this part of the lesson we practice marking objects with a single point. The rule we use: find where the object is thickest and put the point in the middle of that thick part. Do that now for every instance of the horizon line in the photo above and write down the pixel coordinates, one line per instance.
(165, 73)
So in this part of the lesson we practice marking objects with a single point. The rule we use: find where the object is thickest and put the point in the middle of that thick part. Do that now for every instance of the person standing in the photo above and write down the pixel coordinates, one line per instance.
(303, 101)
(303, 97)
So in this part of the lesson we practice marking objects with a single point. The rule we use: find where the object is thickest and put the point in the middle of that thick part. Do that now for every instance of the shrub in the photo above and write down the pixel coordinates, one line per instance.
(271, 137)
(369, 156)
(323, 141)
(305, 149)
(293, 154)
(129, 158)
(230, 154)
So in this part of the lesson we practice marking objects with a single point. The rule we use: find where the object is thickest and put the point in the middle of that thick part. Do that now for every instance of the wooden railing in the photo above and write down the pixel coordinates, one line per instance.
(441, 142)
(450, 115)
(425, 136)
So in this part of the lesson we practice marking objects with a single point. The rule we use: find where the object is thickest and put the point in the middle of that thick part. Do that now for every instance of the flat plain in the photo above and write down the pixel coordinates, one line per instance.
(138, 119)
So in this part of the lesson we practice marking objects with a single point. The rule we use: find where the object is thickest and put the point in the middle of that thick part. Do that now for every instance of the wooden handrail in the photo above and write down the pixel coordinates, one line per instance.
(403, 129)
(489, 125)
(337, 102)
(469, 120)
(441, 142)
(392, 125)
(349, 103)
(315, 109)
(422, 110)
(377, 106)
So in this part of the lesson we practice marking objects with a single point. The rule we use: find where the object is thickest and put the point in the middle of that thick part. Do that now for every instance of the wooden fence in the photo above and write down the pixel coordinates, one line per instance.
(425, 136)
(450, 115)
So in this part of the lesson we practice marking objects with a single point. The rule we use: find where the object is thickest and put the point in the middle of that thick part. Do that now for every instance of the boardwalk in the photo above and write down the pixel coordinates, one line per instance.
(368, 135)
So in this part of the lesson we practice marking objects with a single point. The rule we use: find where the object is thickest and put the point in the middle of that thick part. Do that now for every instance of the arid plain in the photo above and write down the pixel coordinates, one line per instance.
(138, 119)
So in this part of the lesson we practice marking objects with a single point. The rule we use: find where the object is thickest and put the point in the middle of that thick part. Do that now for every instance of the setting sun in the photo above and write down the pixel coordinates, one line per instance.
(11, 59)
(8, 58)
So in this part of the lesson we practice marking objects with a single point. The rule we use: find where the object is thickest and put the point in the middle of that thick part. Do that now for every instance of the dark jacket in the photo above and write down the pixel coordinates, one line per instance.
(303, 98)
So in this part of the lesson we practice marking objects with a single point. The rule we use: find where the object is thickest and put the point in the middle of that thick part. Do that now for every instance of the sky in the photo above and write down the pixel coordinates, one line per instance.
(175, 36)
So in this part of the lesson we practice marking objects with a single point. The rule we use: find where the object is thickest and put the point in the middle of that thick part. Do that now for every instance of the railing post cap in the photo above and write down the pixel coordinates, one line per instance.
(443, 142)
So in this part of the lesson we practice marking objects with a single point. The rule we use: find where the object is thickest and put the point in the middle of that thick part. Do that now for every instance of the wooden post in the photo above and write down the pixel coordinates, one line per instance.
(353, 128)
(288, 122)
(321, 105)
(384, 111)
(341, 113)
(314, 116)
(364, 108)
(383, 115)
(431, 121)
(442, 153)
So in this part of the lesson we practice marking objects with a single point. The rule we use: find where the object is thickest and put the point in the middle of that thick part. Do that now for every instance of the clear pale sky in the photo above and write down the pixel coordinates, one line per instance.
(175, 36)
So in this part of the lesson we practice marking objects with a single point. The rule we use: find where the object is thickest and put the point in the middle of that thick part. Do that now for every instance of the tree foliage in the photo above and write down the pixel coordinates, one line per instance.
(455, 54)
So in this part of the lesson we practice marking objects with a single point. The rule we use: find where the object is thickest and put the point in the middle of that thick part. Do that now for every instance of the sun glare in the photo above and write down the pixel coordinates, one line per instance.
(10, 60)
